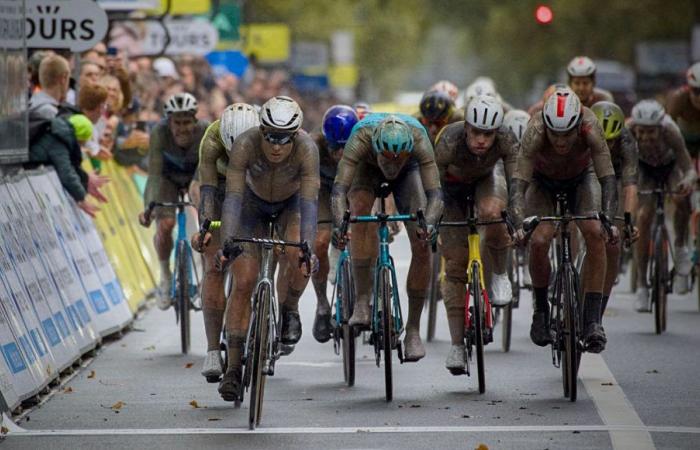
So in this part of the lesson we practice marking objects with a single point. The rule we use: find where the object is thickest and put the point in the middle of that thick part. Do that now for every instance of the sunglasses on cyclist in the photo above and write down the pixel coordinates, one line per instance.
(395, 157)
(279, 138)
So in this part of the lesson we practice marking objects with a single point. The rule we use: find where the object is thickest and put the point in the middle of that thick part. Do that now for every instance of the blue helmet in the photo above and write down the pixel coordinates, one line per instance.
(392, 135)
(337, 125)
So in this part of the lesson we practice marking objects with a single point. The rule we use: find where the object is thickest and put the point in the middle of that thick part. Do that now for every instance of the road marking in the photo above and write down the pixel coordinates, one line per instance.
(627, 429)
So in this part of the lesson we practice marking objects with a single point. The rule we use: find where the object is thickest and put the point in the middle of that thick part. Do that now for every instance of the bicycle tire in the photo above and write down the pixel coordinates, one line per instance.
(387, 330)
(660, 273)
(478, 324)
(506, 327)
(183, 296)
(348, 337)
(257, 380)
(434, 296)
(571, 333)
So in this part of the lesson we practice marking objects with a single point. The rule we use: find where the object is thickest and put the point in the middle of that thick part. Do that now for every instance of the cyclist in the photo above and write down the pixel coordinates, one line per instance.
(470, 156)
(273, 171)
(335, 131)
(214, 152)
(625, 157)
(564, 149)
(437, 109)
(662, 157)
(394, 149)
(683, 105)
(447, 87)
(516, 121)
(484, 86)
(581, 71)
(172, 162)
(362, 109)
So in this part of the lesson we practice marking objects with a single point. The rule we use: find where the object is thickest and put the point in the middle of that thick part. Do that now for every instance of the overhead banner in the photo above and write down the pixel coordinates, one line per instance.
(128, 5)
(194, 36)
(76, 25)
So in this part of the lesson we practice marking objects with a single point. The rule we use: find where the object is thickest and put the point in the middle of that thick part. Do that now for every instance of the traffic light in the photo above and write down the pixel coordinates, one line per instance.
(544, 15)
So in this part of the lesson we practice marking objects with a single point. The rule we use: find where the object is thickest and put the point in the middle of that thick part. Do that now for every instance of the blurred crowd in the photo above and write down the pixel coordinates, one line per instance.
(113, 102)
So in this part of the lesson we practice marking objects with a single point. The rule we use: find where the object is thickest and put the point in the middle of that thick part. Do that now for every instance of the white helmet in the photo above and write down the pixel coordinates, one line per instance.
(179, 103)
(516, 120)
(562, 110)
(484, 112)
(281, 113)
(446, 86)
(581, 66)
(693, 75)
(648, 112)
(480, 86)
(236, 119)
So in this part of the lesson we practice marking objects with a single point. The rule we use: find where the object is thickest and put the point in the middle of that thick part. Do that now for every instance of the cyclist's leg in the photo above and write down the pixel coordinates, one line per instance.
(588, 201)
(492, 197)
(681, 225)
(163, 239)
(454, 248)
(322, 321)
(612, 256)
(410, 196)
(644, 218)
(540, 203)
(213, 300)
(363, 242)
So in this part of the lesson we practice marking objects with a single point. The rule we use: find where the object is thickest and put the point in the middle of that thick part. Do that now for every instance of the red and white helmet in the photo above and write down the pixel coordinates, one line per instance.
(693, 75)
(581, 66)
(447, 87)
(562, 110)
(236, 119)
(484, 112)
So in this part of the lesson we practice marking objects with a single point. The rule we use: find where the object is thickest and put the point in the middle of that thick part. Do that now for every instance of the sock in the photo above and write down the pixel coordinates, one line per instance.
(213, 318)
(603, 306)
(235, 345)
(541, 302)
(363, 276)
(453, 293)
(592, 307)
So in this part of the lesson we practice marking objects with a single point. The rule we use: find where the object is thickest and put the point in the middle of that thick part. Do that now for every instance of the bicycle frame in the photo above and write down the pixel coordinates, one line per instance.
(182, 236)
(342, 258)
(657, 226)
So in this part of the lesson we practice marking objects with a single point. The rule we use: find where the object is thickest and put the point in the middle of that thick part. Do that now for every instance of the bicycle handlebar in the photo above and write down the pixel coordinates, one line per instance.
(232, 251)
(153, 205)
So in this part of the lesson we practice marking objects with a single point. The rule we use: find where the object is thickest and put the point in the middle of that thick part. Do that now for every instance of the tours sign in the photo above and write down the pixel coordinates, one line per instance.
(71, 24)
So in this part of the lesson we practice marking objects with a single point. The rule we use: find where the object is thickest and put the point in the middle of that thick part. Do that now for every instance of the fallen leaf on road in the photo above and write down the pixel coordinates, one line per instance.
(606, 384)
(464, 416)
(652, 371)
(415, 406)
(189, 365)
(150, 347)
(482, 447)
(92, 374)
(213, 419)
(68, 390)
(194, 404)
(119, 405)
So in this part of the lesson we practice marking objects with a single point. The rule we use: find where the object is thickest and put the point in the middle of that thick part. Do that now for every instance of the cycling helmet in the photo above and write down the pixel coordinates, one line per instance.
(362, 109)
(236, 119)
(516, 121)
(610, 117)
(581, 66)
(180, 103)
(337, 125)
(447, 87)
(436, 105)
(562, 110)
(480, 86)
(693, 75)
(648, 112)
(484, 112)
(281, 114)
(392, 137)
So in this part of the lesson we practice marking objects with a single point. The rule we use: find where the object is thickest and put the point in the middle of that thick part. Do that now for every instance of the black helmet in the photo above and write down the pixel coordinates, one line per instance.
(436, 105)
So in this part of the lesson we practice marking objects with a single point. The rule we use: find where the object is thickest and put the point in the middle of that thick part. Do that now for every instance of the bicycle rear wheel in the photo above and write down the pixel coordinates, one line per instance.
(183, 295)
(386, 292)
(507, 322)
(660, 273)
(434, 296)
(571, 333)
(478, 325)
(259, 356)
(347, 297)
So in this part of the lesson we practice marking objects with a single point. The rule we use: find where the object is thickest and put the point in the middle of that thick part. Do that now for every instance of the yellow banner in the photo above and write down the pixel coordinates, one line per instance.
(345, 75)
(180, 7)
(269, 42)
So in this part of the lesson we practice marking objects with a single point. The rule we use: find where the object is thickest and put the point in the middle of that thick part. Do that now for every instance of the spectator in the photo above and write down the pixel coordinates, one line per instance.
(92, 101)
(97, 54)
(54, 79)
(90, 73)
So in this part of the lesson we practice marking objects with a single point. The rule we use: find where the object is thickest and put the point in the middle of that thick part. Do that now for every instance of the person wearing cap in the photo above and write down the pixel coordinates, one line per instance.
(272, 174)
(165, 68)
(564, 150)
(474, 156)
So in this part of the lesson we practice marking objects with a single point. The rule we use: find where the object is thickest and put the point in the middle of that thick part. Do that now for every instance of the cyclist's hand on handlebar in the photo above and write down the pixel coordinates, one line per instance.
(339, 240)
(634, 234)
(611, 236)
(195, 241)
(429, 234)
(685, 188)
(519, 237)
(394, 228)
(145, 219)
(311, 267)
(220, 260)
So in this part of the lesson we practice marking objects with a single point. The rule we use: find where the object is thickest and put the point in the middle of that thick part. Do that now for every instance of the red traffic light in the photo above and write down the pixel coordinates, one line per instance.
(544, 14)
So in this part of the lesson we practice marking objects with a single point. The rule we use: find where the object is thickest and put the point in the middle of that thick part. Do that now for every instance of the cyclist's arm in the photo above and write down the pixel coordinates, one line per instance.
(630, 170)
(443, 153)
(235, 187)
(210, 150)
(602, 162)
(430, 177)
(532, 142)
(674, 139)
(155, 166)
(310, 185)
(356, 149)
(509, 147)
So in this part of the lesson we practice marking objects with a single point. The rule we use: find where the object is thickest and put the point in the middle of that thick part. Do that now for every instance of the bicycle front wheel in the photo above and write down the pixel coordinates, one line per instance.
(183, 295)
(434, 296)
(478, 325)
(347, 297)
(571, 333)
(660, 281)
(259, 356)
(386, 292)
